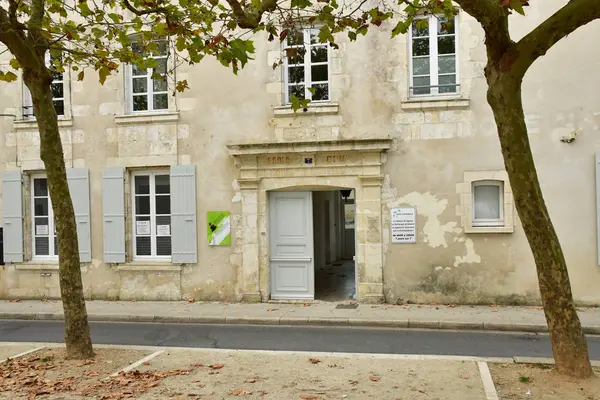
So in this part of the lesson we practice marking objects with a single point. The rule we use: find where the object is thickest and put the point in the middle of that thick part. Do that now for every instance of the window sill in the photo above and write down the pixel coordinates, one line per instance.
(489, 229)
(31, 124)
(40, 266)
(147, 118)
(151, 266)
(435, 103)
(312, 109)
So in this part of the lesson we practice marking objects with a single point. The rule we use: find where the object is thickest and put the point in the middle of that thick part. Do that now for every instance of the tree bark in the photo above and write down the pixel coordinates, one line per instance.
(77, 333)
(569, 345)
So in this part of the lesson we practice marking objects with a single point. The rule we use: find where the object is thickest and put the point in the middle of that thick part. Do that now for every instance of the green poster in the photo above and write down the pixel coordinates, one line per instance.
(219, 228)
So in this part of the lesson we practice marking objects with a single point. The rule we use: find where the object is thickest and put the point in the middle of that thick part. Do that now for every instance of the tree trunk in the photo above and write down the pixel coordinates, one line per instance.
(77, 333)
(569, 345)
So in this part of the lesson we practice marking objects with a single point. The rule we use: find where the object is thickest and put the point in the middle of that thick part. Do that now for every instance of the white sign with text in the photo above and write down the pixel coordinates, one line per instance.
(403, 225)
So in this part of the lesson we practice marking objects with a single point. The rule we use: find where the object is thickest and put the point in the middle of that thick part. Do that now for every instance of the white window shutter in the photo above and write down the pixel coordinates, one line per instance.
(113, 210)
(183, 214)
(79, 186)
(12, 214)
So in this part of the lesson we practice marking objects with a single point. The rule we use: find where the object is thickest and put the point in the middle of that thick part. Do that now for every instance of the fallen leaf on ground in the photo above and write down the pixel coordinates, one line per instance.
(353, 382)
(263, 393)
(240, 392)
(217, 366)
(190, 300)
(464, 377)
(374, 378)
(315, 360)
(271, 309)
(197, 365)
(308, 397)
(146, 363)
(250, 380)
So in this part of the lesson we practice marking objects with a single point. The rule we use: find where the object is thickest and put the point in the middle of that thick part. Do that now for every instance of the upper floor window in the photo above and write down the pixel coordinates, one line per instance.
(148, 88)
(306, 66)
(488, 203)
(58, 91)
(45, 244)
(434, 56)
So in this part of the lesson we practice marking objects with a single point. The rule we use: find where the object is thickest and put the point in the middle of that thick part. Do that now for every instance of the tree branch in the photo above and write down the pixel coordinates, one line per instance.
(156, 10)
(250, 18)
(37, 14)
(573, 15)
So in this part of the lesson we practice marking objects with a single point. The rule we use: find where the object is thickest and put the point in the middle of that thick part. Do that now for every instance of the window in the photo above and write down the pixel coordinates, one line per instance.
(149, 87)
(58, 91)
(488, 203)
(44, 231)
(152, 215)
(433, 61)
(306, 66)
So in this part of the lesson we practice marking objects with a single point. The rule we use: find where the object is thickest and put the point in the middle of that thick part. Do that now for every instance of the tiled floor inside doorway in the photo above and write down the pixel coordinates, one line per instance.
(335, 282)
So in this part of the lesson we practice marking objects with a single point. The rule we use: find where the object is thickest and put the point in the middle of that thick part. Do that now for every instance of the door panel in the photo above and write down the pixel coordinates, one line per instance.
(291, 245)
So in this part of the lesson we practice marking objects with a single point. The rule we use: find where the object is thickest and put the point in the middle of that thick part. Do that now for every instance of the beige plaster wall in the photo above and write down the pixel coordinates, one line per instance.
(432, 148)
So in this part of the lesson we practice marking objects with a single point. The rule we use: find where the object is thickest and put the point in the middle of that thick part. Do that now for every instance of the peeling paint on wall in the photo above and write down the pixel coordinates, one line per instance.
(428, 206)
(469, 257)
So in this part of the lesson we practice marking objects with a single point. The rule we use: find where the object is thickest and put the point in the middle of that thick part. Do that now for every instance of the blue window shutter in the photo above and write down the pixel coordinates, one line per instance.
(113, 210)
(79, 187)
(12, 215)
(183, 214)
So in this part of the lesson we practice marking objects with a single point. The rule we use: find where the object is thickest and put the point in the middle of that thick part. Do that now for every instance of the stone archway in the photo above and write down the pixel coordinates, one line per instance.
(267, 167)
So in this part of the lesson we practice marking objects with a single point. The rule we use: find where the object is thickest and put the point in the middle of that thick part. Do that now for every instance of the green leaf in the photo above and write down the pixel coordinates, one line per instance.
(103, 73)
(7, 76)
(182, 85)
(80, 76)
(14, 64)
(301, 3)
(352, 35)
(517, 5)
(400, 28)
(116, 18)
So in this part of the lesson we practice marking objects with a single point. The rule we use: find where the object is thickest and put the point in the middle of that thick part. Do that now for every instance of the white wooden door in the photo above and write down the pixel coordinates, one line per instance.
(291, 245)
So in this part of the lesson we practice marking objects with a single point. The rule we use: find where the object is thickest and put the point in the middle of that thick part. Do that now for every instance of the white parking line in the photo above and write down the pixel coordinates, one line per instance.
(488, 382)
(139, 362)
(22, 354)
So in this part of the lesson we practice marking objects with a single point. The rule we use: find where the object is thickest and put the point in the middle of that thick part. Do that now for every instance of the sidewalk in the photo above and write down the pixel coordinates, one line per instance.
(498, 318)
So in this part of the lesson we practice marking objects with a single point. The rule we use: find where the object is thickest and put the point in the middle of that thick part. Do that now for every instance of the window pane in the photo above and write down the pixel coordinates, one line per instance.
(41, 206)
(424, 82)
(421, 66)
(486, 200)
(137, 71)
(314, 36)
(163, 204)
(162, 67)
(161, 101)
(140, 103)
(142, 205)
(446, 64)
(295, 56)
(295, 38)
(40, 187)
(318, 54)
(162, 183)
(142, 185)
(163, 245)
(448, 80)
(143, 246)
(57, 76)
(57, 90)
(41, 227)
(319, 73)
(296, 74)
(42, 246)
(446, 45)
(420, 27)
(159, 85)
(163, 225)
(162, 48)
(321, 92)
(297, 90)
(420, 47)
(59, 107)
(140, 85)
(445, 26)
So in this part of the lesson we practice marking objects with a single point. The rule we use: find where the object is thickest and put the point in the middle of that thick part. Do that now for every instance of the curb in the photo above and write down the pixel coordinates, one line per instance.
(306, 321)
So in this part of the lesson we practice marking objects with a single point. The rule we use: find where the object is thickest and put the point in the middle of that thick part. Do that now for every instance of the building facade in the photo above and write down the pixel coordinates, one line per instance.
(389, 187)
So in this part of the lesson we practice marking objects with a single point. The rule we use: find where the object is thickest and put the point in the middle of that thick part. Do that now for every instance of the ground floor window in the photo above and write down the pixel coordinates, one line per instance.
(152, 215)
(45, 244)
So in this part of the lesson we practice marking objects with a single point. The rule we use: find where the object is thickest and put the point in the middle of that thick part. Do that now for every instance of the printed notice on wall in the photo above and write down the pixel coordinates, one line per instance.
(163, 230)
(404, 225)
(142, 227)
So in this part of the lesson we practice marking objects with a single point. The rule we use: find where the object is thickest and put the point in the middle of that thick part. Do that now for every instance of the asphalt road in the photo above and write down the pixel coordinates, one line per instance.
(298, 338)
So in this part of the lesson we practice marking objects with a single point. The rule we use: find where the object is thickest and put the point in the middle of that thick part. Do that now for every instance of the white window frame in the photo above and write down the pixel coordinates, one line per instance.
(486, 222)
(28, 101)
(433, 59)
(152, 174)
(149, 86)
(51, 223)
(306, 32)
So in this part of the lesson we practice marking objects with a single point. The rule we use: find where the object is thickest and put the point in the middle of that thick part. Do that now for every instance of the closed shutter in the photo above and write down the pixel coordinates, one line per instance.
(183, 214)
(113, 209)
(79, 186)
(12, 214)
